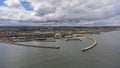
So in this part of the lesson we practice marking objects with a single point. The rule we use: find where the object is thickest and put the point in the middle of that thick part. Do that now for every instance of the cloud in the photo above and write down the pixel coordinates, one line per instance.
(13, 3)
(84, 12)
(72, 9)
(43, 9)
(15, 14)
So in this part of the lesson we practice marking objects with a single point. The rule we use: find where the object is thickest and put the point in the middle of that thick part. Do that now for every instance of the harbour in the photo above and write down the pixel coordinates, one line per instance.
(59, 33)
(104, 55)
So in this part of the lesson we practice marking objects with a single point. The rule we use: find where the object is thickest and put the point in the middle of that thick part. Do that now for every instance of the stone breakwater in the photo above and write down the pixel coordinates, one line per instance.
(91, 46)
(37, 46)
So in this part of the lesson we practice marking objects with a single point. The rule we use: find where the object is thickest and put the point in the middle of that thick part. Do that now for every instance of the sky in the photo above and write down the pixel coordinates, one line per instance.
(59, 12)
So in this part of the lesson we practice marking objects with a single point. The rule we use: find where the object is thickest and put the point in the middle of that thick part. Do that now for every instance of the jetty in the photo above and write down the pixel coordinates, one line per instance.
(37, 46)
(91, 46)
(71, 39)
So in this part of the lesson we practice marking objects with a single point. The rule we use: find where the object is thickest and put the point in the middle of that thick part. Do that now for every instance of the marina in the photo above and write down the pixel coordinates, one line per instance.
(59, 33)
(104, 55)
(84, 48)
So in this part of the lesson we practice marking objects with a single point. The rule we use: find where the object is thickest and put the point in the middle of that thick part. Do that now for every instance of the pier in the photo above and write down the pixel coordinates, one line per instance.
(91, 46)
(52, 47)
(72, 39)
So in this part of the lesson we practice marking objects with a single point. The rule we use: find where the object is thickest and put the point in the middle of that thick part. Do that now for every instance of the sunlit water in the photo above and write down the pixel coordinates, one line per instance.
(105, 55)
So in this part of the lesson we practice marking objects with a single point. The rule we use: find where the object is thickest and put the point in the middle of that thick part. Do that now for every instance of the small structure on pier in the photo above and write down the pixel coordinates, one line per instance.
(78, 36)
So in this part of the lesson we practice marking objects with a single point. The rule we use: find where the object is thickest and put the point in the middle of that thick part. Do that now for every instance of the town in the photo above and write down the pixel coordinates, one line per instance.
(44, 33)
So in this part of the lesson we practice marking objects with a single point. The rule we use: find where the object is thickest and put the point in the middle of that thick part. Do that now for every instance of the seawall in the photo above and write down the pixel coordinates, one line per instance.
(91, 46)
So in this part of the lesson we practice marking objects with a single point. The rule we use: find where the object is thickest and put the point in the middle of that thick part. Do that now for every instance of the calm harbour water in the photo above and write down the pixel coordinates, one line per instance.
(105, 55)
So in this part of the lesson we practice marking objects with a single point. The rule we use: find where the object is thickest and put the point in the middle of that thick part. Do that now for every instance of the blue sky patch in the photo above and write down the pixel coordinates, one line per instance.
(27, 5)
(1, 3)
